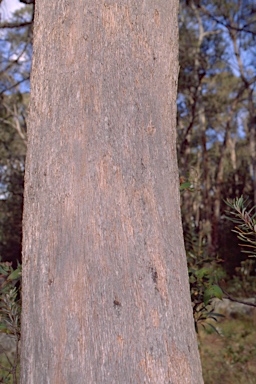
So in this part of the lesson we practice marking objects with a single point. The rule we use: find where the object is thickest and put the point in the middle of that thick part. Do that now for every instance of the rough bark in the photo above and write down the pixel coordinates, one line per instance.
(105, 284)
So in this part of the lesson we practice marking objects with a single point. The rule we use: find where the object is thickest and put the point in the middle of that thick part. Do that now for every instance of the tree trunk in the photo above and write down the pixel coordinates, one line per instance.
(105, 284)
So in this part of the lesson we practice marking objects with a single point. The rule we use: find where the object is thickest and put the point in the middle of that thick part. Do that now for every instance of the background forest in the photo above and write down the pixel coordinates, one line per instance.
(216, 146)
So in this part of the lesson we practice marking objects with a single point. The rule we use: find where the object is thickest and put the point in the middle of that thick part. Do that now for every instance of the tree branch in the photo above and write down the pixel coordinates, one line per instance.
(228, 26)
(27, 1)
(14, 85)
(227, 296)
(16, 25)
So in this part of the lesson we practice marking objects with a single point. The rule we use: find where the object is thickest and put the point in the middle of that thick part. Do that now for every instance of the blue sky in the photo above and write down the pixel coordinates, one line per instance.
(9, 6)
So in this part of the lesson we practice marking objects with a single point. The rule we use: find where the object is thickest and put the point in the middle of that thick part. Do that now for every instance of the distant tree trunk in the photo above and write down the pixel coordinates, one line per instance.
(105, 284)
(252, 141)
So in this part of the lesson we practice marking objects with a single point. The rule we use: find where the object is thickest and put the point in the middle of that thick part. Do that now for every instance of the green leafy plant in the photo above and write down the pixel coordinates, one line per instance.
(204, 274)
(186, 185)
(10, 315)
(203, 289)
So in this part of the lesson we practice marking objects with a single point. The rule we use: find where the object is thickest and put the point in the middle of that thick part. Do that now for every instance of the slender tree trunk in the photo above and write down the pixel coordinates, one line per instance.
(225, 148)
(105, 284)
(252, 141)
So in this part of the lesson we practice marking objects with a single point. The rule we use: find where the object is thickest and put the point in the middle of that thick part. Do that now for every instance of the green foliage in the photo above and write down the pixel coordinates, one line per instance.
(203, 272)
(204, 275)
(10, 316)
(10, 305)
(245, 220)
(203, 290)
(186, 185)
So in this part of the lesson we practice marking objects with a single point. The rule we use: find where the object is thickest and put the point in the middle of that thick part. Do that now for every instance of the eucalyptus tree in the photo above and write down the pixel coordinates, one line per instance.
(105, 283)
